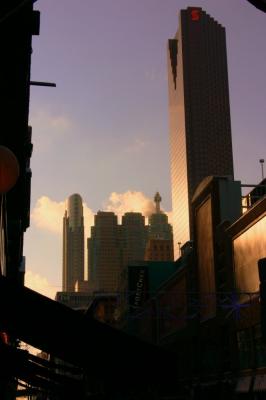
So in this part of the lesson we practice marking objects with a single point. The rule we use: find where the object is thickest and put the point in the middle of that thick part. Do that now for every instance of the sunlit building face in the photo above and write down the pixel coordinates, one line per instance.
(73, 243)
(248, 248)
(199, 113)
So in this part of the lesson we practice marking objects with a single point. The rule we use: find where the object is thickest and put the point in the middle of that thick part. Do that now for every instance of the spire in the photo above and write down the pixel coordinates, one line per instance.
(157, 200)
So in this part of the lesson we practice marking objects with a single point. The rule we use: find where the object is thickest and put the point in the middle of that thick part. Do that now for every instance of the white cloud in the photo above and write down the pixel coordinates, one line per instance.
(48, 214)
(40, 284)
(130, 201)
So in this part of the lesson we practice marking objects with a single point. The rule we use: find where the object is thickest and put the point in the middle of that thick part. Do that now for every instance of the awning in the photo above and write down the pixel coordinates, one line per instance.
(260, 383)
(243, 384)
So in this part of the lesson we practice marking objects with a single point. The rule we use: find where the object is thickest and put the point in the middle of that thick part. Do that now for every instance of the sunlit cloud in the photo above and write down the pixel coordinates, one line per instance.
(48, 215)
(130, 201)
(40, 284)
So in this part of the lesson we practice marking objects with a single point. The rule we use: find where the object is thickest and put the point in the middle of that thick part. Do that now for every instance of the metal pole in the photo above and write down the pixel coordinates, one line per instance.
(262, 168)
(179, 246)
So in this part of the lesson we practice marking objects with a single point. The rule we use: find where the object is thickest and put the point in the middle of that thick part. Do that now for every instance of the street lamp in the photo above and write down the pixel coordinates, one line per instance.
(262, 170)
(179, 246)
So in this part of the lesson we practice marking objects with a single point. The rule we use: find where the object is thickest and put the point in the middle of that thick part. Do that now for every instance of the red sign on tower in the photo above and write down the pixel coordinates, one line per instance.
(195, 14)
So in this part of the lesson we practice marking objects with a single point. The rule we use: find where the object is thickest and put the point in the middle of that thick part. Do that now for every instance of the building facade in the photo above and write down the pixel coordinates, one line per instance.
(159, 250)
(73, 243)
(159, 246)
(211, 311)
(104, 258)
(133, 237)
(158, 227)
(199, 112)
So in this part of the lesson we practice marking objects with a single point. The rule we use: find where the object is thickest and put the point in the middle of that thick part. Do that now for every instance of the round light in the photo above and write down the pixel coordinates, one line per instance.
(9, 169)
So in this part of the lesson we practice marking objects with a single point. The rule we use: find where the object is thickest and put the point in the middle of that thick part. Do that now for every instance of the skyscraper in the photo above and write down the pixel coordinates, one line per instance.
(199, 112)
(73, 243)
(112, 247)
(104, 257)
(133, 237)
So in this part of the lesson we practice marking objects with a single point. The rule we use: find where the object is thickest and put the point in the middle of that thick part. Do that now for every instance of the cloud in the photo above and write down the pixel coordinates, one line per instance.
(40, 284)
(130, 201)
(48, 215)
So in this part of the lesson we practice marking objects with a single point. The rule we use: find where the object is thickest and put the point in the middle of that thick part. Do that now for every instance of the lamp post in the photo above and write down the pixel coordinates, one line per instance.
(262, 170)
(179, 246)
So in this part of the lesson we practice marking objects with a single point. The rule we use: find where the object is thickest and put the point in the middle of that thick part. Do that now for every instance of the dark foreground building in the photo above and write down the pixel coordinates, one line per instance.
(212, 310)
(199, 112)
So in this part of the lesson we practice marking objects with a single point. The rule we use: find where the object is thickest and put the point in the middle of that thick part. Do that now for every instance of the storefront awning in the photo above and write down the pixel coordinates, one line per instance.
(260, 383)
(243, 384)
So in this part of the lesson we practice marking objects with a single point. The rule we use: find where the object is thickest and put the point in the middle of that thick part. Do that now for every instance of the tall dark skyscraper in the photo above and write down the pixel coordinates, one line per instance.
(199, 112)
(73, 243)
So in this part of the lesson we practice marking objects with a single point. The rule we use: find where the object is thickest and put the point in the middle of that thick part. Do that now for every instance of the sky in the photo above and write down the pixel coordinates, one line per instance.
(103, 131)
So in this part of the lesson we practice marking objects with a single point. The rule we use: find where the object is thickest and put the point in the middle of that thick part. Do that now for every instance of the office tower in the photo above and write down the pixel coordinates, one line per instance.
(104, 252)
(73, 243)
(112, 246)
(133, 237)
(199, 113)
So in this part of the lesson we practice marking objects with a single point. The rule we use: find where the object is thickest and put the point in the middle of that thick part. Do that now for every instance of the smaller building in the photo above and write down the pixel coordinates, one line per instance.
(158, 227)
(159, 250)
(159, 245)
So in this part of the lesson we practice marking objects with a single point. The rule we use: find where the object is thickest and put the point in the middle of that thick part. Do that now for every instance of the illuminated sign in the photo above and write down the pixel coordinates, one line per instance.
(195, 14)
(138, 285)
